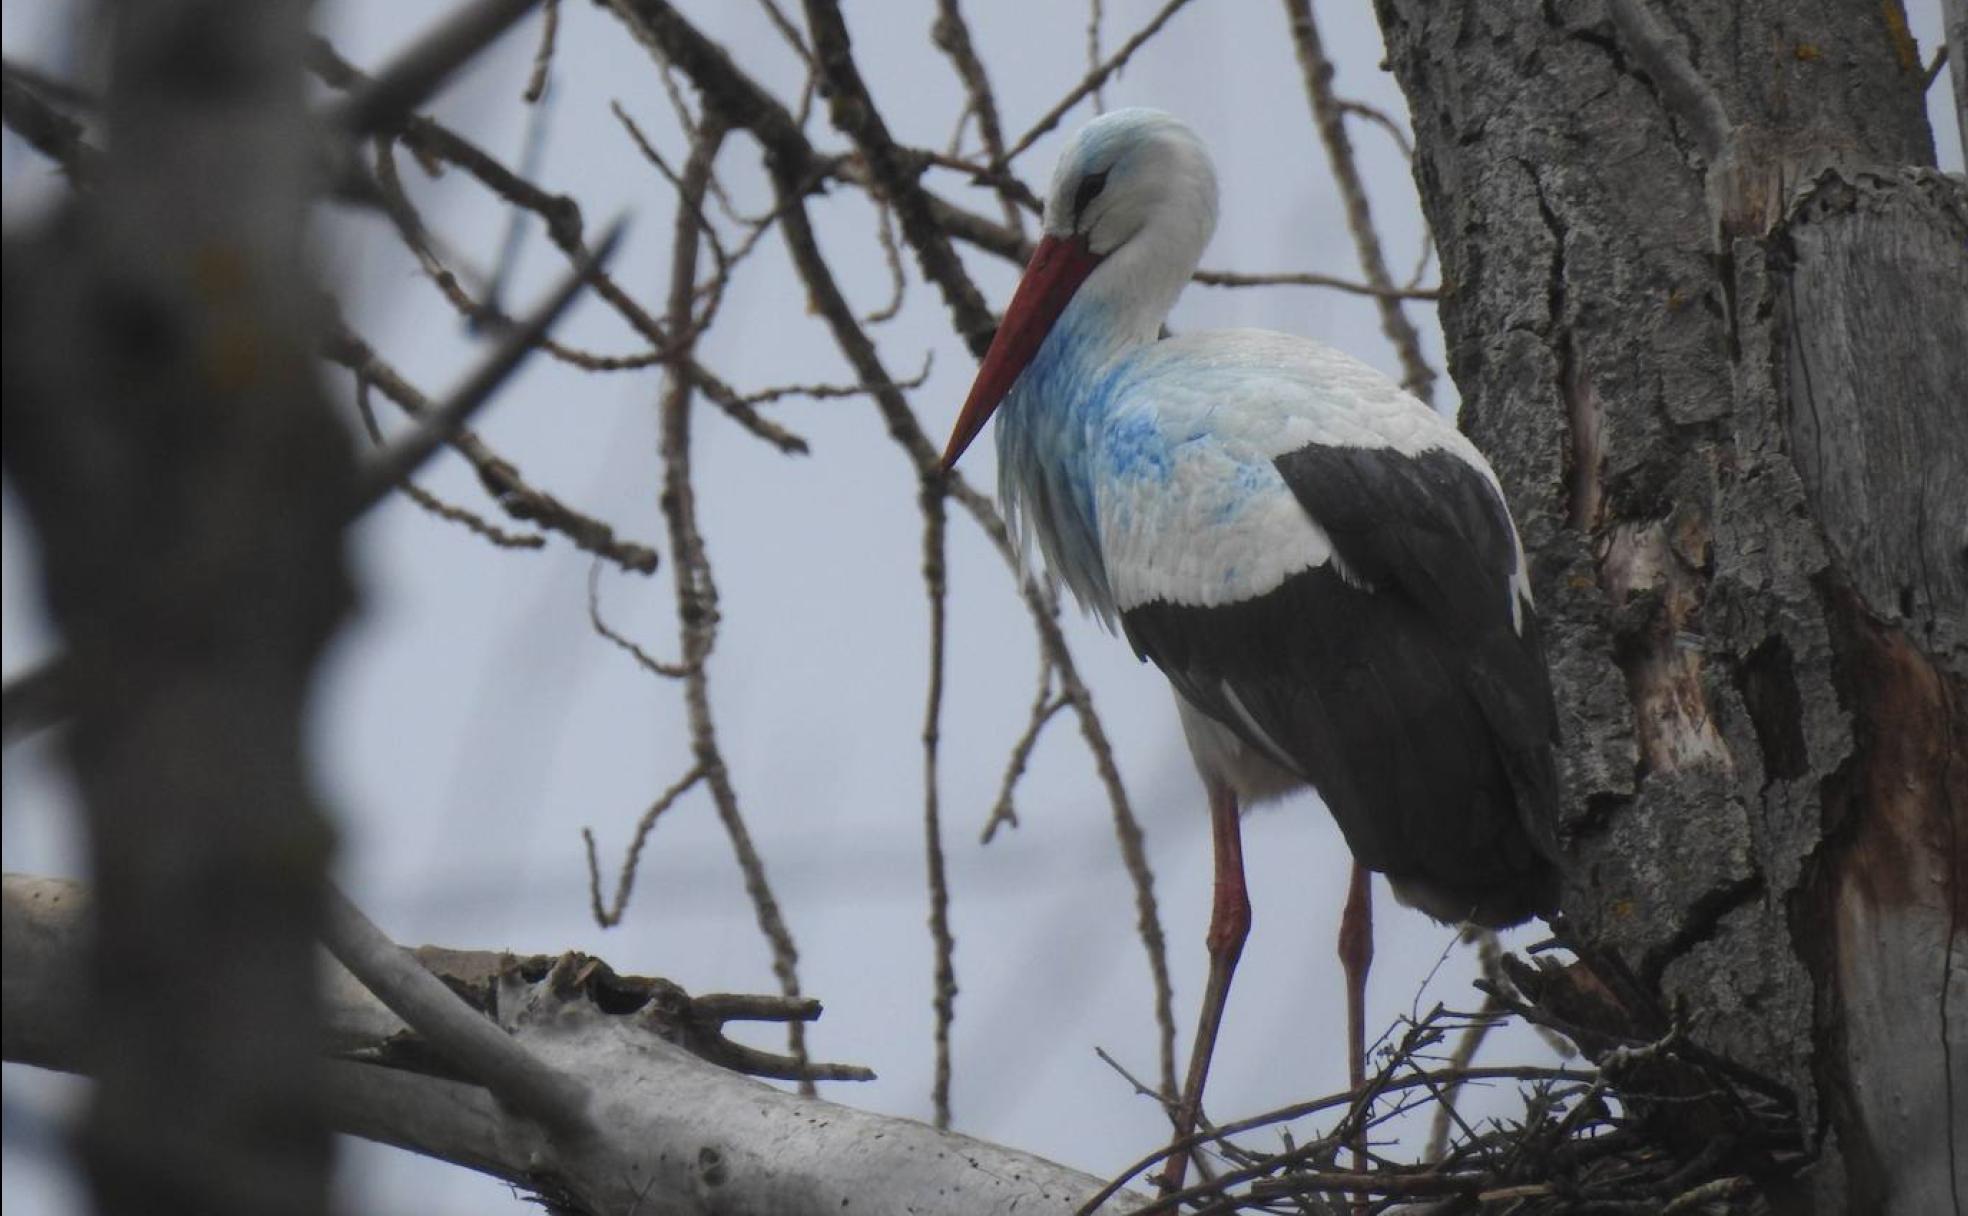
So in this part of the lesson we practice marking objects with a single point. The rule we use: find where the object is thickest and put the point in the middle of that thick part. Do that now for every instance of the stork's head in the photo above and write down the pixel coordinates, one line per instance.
(1132, 203)
(1129, 170)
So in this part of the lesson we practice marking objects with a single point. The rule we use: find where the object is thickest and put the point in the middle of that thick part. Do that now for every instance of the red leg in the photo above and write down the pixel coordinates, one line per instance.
(1356, 956)
(1230, 918)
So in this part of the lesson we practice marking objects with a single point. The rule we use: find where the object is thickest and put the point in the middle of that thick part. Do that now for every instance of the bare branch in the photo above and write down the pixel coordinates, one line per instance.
(449, 512)
(536, 84)
(532, 149)
(1382, 119)
(1416, 376)
(951, 34)
(499, 476)
(892, 255)
(1004, 180)
(724, 87)
(562, 217)
(696, 588)
(611, 915)
(35, 699)
(678, 1125)
(470, 521)
(903, 427)
(1233, 278)
(655, 158)
(825, 392)
(787, 30)
(418, 72)
(460, 1033)
(1044, 706)
(1094, 17)
(440, 425)
(46, 129)
(896, 175)
(935, 534)
(644, 660)
(1095, 78)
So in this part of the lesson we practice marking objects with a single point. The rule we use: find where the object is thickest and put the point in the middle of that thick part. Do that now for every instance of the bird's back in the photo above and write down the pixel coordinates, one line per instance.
(1325, 567)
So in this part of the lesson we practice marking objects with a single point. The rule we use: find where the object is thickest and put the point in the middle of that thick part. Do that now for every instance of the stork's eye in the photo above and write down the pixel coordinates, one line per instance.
(1090, 188)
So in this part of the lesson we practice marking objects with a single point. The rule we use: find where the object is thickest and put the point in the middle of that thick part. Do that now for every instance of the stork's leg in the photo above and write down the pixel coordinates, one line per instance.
(1356, 956)
(1229, 924)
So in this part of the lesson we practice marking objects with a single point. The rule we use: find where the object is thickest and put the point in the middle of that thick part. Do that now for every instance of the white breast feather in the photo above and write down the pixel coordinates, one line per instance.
(1214, 523)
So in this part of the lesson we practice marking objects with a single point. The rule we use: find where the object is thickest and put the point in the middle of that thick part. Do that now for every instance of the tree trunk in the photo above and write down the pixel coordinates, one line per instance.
(1705, 305)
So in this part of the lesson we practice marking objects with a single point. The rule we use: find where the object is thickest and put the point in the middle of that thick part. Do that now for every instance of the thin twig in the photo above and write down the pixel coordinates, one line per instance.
(795, 168)
(1167, 1103)
(796, 228)
(1233, 278)
(536, 84)
(438, 426)
(662, 166)
(935, 536)
(1382, 119)
(1416, 376)
(788, 31)
(896, 175)
(1934, 67)
(1044, 706)
(1446, 1118)
(1010, 186)
(831, 392)
(1094, 16)
(499, 476)
(951, 34)
(892, 255)
(696, 588)
(562, 218)
(611, 915)
(533, 148)
(1095, 78)
(648, 662)
(449, 512)
(469, 520)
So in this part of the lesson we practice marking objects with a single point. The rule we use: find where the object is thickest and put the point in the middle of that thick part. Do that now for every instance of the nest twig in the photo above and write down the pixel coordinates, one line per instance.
(1656, 1126)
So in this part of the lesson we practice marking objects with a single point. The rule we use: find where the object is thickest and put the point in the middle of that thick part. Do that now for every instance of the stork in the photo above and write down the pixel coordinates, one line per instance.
(1323, 567)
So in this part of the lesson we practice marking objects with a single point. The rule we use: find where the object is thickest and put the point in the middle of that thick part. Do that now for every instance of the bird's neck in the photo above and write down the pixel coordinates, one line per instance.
(1058, 407)
(1120, 308)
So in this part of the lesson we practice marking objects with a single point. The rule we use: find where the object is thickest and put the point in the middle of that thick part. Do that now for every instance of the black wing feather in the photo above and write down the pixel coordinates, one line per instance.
(1413, 703)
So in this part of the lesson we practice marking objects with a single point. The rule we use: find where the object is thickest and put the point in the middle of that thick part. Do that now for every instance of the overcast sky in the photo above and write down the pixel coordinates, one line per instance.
(470, 723)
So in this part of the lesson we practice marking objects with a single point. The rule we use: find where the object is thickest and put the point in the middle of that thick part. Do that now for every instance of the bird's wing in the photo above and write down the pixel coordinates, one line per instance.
(1352, 603)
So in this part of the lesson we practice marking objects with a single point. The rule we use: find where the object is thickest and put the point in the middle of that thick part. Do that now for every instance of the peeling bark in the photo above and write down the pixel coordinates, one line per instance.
(1725, 391)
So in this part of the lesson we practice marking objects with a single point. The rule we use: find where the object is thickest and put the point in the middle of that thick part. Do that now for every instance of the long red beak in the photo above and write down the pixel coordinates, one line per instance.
(1057, 269)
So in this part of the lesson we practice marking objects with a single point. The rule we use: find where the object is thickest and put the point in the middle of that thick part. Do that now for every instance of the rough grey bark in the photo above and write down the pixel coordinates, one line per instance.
(1727, 388)
(188, 485)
